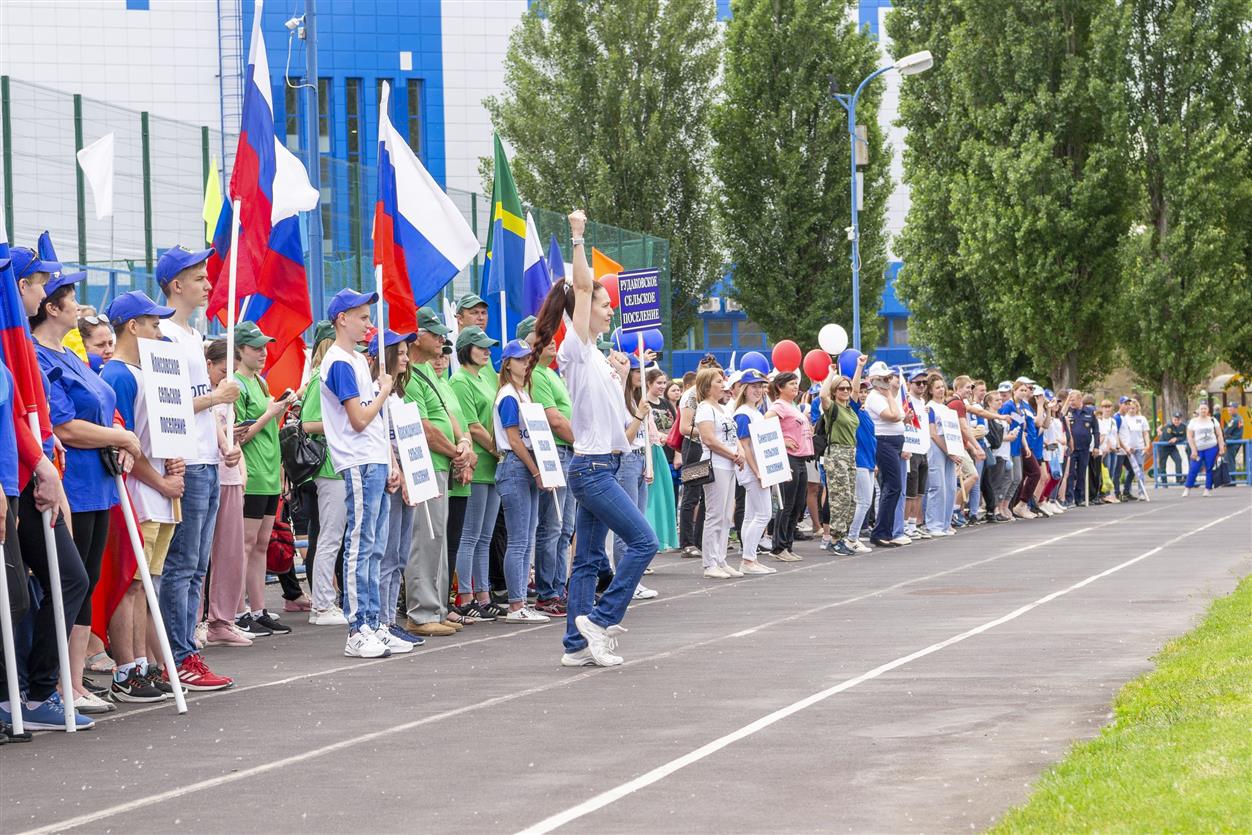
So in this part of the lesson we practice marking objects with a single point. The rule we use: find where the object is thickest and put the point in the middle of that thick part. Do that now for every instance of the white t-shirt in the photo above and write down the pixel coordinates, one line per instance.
(876, 403)
(598, 413)
(1205, 432)
(1131, 433)
(640, 440)
(347, 376)
(725, 429)
(923, 417)
(514, 414)
(192, 345)
(1108, 434)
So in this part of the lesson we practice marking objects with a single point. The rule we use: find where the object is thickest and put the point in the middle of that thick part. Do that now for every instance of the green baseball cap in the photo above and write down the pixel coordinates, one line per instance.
(473, 335)
(469, 300)
(323, 330)
(247, 333)
(525, 328)
(428, 320)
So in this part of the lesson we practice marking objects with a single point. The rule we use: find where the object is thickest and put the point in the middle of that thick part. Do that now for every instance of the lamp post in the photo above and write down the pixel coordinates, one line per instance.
(908, 65)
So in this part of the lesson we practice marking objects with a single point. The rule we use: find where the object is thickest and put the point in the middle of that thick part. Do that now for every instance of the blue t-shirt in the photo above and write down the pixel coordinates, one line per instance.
(742, 422)
(978, 420)
(125, 389)
(1034, 438)
(8, 436)
(866, 443)
(341, 380)
(815, 411)
(1010, 408)
(80, 394)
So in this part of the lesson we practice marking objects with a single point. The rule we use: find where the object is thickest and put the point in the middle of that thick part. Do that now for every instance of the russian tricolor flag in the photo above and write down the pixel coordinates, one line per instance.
(536, 276)
(272, 188)
(420, 238)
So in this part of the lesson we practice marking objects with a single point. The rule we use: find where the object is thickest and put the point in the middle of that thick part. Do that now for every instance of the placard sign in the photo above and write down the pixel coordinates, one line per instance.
(916, 440)
(639, 292)
(413, 451)
(950, 426)
(770, 451)
(543, 445)
(167, 396)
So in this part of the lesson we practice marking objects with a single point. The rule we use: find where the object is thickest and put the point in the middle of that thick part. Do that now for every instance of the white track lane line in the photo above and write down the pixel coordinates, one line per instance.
(248, 773)
(660, 772)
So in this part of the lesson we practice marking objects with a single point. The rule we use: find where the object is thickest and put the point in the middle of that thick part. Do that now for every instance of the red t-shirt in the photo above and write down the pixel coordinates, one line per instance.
(957, 405)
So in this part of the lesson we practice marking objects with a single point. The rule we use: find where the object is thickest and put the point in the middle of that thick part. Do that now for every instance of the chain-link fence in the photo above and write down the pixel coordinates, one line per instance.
(161, 167)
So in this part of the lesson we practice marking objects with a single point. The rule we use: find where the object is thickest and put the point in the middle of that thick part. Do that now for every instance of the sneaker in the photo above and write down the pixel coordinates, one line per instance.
(714, 572)
(405, 635)
(136, 688)
(267, 621)
(248, 626)
(858, 546)
(493, 609)
(911, 530)
(555, 606)
(157, 678)
(919, 533)
(733, 572)
(201, 634)
(363, 644)
(842, 550)
(948, 532)
(49, 715)
(1186, 491)
(396, 644)
(784, 556)
(300, 604)
(93, 688)
(224, 636)
(582, 658)
(333, 616)
(901, 540)
(600, 641)
(526, 615)
(754, 567)
(642, 592)
(194, 674)
(429, 630)
(691, 552)
(478, 612)
(91, 703)
(1207, 492)
(826, 544)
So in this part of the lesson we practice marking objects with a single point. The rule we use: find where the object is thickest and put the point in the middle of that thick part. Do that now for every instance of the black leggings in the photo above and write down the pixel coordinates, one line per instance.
(91, 534)
(794, 496)
(1030, 479)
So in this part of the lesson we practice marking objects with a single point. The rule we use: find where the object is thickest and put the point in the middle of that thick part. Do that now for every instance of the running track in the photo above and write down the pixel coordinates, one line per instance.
(920, 689)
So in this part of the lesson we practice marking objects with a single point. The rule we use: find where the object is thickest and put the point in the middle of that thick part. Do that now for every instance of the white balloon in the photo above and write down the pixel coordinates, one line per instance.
(832, 338)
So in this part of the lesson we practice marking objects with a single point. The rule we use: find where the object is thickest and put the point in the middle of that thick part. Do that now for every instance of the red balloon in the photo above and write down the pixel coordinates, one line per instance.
(610, 284)
(816, 365)
(786, 356)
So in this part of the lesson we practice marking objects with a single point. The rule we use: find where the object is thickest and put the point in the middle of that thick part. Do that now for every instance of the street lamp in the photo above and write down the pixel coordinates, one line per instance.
(913, 64)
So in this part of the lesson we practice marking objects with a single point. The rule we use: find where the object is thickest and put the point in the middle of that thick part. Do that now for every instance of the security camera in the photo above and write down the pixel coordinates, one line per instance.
(294, 23)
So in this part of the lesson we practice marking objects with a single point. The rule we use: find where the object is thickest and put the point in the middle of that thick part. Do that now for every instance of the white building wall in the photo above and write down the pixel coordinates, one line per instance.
(888, 113)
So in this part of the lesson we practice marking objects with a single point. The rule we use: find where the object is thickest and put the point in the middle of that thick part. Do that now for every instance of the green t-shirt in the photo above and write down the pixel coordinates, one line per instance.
(547, 388)
(476, 393)
(260, 453)
(310, 411)
(843, 430)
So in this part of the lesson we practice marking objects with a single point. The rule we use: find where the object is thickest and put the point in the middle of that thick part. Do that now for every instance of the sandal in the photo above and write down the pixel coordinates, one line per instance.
(100, 663)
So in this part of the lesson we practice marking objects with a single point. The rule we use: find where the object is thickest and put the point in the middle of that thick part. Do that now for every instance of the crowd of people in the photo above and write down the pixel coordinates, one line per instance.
(876, 461)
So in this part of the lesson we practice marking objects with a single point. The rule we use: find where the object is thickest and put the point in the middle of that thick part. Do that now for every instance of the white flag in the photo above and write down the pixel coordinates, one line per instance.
(96, 160)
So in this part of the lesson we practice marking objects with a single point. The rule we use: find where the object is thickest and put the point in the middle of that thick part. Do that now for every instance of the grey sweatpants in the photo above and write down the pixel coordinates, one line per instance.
(426, 574)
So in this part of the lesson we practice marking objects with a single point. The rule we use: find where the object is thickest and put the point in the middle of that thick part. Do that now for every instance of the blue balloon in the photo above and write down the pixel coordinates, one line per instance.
(625, 342)
(754, 360)
(847, 362)
(654, 340)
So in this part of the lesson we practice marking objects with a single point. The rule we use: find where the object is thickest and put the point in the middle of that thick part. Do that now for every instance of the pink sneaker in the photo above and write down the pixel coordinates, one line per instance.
(300, 604)
(222, 635)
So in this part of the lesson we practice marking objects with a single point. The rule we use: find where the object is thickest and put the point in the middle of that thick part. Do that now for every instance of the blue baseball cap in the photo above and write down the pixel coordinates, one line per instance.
(749, 376)
(136, 303)
(60, 280)
(391, 338)
(178, 258)
(514, 350)
(345, 300)
(4, 263)
(26, 262)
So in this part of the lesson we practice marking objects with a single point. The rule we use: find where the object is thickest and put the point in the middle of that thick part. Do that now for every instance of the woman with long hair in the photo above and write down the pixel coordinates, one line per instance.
(718, 435)
(941, 477)
(842, 415)
(661, 508)
(756, 496)
(599, 420)
(798, 438)
(633, 474)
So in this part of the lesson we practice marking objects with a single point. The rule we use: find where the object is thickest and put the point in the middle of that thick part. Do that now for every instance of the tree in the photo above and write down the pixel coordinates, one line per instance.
(782, 157)
(1032, 162)
(606, 106)
(1188, 290)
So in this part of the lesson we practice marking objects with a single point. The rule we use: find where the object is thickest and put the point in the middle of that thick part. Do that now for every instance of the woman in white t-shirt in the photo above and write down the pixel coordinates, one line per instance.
(720, 439)
(1204, 437)
(598, 418)
(757, 505)
(884, 408)
(1133, 436)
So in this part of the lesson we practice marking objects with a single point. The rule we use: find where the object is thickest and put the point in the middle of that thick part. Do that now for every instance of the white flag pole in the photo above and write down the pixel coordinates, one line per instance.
(58, 610)
(230, 304)
(10, 654)
(149, 590)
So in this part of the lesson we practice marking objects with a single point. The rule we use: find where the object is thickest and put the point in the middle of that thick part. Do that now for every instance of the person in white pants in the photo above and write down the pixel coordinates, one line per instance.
(719, 438)
(757, 507)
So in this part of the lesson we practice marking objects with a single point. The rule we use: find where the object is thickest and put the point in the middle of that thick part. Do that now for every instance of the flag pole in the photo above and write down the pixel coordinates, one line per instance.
(233, 268)
(504, 324)
(149, 590)
(10, 669)
(58, 609)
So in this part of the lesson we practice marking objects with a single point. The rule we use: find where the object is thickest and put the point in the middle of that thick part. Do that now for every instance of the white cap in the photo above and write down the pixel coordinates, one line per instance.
(1024, 379)
(1004, 387)
(1037, 390)
(734, 378)
(879, 369)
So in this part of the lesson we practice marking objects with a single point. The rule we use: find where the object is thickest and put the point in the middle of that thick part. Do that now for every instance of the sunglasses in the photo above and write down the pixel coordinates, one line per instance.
(95, 320)
(843, 388)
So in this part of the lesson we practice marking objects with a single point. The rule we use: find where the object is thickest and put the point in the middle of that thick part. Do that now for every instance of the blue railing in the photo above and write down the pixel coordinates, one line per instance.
(1161, 479)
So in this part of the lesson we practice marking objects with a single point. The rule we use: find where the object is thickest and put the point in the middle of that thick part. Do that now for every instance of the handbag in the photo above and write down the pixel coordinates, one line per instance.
(280, 555)
(696, 473)
(302, 455)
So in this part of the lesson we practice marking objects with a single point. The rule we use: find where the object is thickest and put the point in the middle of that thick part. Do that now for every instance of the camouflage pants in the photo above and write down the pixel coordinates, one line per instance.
(840, 464)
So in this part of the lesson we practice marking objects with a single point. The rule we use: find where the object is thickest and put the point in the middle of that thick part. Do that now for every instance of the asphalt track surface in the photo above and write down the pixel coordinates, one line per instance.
(921, 689)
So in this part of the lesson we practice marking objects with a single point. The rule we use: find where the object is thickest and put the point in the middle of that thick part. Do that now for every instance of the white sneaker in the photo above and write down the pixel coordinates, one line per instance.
(600, 641)
(805, 525)
(920, 533)
(858, 546)
(902, 540)
(1208, 492)
(948, 532)
(765, 543)
(642, 592)
(396, 645)
(714, 572)
(526, 615)
(582, 658)
(363, 644)
(1186, 491)
(910, 529)
(754, 567)
(733, 572)
(333, 616)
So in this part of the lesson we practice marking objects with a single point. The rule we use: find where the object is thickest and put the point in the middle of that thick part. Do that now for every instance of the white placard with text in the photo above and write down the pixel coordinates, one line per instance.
(413, 452)
(770, 451)
(167, 396)
(543, 445)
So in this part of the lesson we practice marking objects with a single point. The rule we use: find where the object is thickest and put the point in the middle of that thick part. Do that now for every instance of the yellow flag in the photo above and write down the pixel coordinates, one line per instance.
(212, 202)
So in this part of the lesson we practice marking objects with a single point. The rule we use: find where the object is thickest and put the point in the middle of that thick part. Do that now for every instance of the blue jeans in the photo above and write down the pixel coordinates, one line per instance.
(519, 496)
(630, 475)
(603, 506)
(364, 541)
(188, 558)
(940, 490)
(395, 555)
(892, 470)
(473, 553)
(975, 492)
(1208, 460)
(554, 534)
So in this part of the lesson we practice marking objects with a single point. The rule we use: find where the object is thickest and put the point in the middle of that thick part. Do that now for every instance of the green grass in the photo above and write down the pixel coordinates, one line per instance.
(1177, 756)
